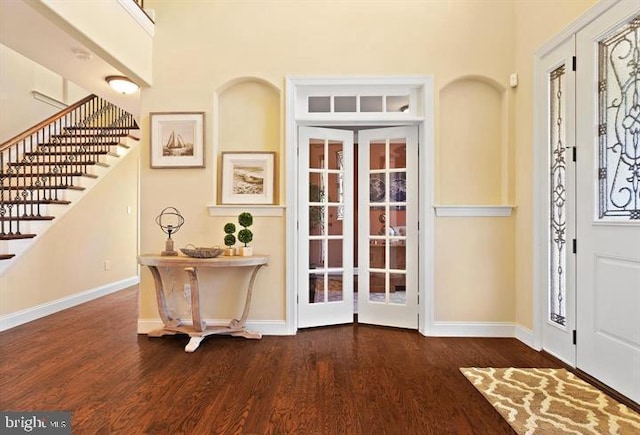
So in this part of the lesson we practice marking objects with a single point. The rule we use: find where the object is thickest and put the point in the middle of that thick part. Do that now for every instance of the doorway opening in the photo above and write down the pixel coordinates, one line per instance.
(350, 245)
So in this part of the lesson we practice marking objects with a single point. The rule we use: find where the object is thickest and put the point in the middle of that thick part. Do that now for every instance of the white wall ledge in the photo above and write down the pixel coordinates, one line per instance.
(256, 210)
(473, 210)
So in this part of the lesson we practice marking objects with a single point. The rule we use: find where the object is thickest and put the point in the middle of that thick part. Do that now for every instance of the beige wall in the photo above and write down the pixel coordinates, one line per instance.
(536, 22)
(20, 76)
(69, 258)
(201, 46)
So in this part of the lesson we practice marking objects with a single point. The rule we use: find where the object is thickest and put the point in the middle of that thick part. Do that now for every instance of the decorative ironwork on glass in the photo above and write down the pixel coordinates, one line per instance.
(558, 196)
(619, 110)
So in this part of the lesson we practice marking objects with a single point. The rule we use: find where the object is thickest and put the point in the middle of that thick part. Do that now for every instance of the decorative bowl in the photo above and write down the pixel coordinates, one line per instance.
(199, 252)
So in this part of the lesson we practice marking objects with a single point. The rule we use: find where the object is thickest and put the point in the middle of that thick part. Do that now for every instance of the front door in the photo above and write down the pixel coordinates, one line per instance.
(381, 226)
(608, 198)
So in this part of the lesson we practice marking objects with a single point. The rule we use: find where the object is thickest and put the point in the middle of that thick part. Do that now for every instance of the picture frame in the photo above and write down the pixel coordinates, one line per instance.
(248, 177)
(177, 139)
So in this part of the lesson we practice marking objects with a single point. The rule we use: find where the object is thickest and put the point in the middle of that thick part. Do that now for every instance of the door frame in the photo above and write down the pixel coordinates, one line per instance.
(540, 167)
(420, 114)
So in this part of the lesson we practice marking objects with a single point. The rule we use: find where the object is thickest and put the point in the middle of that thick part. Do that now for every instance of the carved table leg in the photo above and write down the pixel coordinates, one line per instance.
(199, 324)
(166, 317)
(235, 323)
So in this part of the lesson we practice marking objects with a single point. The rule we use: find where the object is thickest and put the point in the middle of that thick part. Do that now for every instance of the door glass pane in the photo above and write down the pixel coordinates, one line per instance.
(398, 187)
(398, 288)
(316, 221)
(377, 254)
(316, 187)
(345, 104)
(397, 255)
(398, 154)
(619, 130)
(377, 155)
(316, 287)
(558, 195)
(335, 253)
(335, 287)
(316, 154)
(335, 225)
(377, 188)
(319, 104)
(333, 184)
(398, 103)
(316, 254)
(371, 104)
(397, 221)
(376, 286)
(335, 155)
(377, 221)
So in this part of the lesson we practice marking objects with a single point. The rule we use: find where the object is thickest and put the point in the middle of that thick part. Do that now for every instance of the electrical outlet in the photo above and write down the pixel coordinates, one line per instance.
(107, 264)
(187, 291)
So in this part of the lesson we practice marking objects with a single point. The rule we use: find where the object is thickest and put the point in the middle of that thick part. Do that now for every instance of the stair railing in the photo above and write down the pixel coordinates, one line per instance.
(45, 159)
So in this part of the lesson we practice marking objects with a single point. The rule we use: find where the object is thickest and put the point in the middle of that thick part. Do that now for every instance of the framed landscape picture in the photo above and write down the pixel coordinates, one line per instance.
(177, 140)
(248, 177)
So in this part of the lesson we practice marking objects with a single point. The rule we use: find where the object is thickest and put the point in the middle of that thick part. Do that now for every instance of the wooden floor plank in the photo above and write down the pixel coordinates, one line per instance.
(350, 379)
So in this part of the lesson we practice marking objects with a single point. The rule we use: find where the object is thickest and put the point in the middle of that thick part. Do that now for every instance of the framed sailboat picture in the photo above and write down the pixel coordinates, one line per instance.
(177, 140)
(248, 177)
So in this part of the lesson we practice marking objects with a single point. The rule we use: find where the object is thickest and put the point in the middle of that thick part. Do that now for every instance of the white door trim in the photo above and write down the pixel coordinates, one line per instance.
(422, 116)
(540, 167)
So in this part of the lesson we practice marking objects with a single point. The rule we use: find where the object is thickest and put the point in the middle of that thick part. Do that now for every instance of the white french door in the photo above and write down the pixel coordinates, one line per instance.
(325, 227)
(388, 227)
(384, 219)
(608, 198)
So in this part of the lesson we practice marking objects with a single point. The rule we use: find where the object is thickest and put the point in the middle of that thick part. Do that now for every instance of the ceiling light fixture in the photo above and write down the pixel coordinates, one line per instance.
(122, 84)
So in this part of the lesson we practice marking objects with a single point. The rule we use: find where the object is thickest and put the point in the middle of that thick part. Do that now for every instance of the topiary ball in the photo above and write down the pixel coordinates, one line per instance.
(245, 236)
(229, 240)
(245, 219)
(229, 228)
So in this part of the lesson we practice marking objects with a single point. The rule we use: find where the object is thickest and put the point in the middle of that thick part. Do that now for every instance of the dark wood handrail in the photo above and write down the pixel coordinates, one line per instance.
(25, 134)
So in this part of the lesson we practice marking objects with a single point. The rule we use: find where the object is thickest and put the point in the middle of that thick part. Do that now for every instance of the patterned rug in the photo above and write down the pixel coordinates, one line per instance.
(551, 401)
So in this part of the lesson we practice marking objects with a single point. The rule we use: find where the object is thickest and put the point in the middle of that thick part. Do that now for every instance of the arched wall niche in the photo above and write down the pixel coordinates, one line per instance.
(247, 113)
(472, 149)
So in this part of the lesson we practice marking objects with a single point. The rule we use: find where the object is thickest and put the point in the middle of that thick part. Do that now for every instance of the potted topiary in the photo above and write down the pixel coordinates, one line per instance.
(245, 235)
(230, 239)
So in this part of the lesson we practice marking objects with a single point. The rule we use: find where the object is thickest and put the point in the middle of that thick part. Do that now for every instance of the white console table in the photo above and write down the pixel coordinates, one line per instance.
(199, 330)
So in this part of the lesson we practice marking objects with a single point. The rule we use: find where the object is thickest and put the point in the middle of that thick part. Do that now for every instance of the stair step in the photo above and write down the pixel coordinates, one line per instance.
(89, 127)
(26, 218)
(16, 236)
(38, 201)
(51, 174)
(68, 153)
(6, 256)
(110, 143)
(89, 134)
(57, 187)
(54, 163)
(75, 141)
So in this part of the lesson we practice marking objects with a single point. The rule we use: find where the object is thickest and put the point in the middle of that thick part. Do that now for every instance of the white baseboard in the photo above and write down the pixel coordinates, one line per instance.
(472, 329)
(29, 314)
(266, 327)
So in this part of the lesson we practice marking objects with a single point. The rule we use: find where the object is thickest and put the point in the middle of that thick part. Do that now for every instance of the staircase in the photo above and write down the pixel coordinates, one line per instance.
(46, 167)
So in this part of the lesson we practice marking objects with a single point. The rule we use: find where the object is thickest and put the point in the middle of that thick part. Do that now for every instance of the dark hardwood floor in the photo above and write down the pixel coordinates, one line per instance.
(352, 379)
